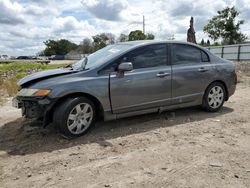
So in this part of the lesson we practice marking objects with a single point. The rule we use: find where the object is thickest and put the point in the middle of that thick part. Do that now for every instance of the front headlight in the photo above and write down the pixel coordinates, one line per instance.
(33, 92)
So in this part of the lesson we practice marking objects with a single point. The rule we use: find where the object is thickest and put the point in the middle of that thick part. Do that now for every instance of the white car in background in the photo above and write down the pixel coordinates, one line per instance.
(44, 58)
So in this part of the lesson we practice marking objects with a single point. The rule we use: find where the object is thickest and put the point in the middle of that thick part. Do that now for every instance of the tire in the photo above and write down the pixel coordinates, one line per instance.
(75, 116)
(214, 97)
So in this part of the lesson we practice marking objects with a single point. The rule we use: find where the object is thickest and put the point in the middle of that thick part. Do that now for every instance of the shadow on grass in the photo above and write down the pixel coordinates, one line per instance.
(21, 137)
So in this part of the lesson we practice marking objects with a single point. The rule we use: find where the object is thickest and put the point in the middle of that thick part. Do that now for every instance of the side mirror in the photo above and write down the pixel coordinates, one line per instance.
(126, 66)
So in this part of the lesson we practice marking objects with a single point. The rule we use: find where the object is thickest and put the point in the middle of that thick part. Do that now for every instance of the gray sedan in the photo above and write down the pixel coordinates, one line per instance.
(126, 79)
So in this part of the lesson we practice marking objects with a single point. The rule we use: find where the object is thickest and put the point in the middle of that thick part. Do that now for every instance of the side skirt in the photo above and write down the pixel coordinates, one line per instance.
(108, 115)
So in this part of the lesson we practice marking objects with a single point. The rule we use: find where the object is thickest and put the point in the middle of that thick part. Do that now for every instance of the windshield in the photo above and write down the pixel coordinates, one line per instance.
(101, 56)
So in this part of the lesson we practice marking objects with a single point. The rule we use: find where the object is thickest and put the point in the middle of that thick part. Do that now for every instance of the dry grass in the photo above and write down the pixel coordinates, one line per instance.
(10, 86)
(12, 72)
(242, 76)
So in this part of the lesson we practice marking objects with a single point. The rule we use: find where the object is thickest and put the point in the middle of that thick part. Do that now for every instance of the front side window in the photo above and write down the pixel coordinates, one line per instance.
(143, 57)
(184, 54)
(148, 56)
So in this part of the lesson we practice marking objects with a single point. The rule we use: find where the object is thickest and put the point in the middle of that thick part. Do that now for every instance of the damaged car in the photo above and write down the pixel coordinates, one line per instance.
(126, 79)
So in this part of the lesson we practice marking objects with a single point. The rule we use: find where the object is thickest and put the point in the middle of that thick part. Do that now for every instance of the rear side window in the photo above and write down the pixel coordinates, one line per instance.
(183, 54)
(148, 56)
(204, 57)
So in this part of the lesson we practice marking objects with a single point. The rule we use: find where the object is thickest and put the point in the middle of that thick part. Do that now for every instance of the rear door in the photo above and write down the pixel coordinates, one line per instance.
(147, 86)
(191, 73)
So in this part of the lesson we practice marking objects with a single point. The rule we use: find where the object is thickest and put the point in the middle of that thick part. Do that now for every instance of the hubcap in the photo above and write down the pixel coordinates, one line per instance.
(80, 118)
(215, 97)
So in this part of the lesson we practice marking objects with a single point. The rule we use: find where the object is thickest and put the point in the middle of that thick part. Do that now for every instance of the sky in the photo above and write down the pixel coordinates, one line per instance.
(25, 24)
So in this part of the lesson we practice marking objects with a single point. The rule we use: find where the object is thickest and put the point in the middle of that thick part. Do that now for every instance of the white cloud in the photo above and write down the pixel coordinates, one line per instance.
(106, 9)
(70, 27)
(11, 13)
(36, 10)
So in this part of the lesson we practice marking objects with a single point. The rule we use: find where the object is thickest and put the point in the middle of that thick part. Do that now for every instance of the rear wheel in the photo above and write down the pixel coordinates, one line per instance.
(75, 116)
(214, 97)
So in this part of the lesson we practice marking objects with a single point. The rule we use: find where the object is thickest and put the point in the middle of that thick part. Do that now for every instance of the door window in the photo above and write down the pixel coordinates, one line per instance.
(148, 56)
(143, 57)
(183, 54)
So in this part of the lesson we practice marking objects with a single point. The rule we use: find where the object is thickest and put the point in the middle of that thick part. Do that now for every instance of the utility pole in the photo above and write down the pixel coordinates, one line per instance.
(143, 24)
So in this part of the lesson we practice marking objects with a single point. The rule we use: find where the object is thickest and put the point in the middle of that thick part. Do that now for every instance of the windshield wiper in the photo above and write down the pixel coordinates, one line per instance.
(69, 66)
(84, 63)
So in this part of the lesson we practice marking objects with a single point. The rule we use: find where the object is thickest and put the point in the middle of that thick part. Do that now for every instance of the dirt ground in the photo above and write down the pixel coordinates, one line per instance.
(181, 148)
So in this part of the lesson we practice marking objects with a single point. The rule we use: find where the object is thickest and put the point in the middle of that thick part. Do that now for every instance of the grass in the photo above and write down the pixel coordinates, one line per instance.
(10, 86)
(12, 72)
(22, 69)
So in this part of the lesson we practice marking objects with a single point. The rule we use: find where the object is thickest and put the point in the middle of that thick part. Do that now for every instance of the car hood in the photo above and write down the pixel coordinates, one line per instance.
(44, 75)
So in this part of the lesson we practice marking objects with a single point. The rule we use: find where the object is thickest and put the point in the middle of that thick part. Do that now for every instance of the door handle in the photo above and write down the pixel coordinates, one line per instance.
(202, 69)
(162, 74)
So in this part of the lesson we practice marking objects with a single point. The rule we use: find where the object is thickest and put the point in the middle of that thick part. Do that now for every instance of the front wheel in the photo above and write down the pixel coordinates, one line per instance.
(75, 116)
(214, 97)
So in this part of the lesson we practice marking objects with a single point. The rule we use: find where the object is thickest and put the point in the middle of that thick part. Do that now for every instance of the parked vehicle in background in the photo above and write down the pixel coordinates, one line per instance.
(127, 79)
(42, 58)
(23, 57)
(56, 57)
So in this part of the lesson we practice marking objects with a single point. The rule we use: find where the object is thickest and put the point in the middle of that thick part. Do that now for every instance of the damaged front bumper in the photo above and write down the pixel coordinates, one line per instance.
(35, 107)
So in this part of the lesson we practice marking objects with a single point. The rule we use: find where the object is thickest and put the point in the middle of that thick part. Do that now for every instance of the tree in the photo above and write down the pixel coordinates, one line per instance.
(59, 47)
(226, 25)
(136, 35)
(111, 38)
(150, 36)
(123, 38)
(102, 40)
(202, 42)
(139, 35)
(208, 42)
(86, 46)
(216, 44)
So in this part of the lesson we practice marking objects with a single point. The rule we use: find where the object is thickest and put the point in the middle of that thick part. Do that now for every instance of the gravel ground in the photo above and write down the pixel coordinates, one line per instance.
(181, 148)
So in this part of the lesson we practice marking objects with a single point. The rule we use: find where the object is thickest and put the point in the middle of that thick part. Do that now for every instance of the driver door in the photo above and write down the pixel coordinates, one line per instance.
(147, 86)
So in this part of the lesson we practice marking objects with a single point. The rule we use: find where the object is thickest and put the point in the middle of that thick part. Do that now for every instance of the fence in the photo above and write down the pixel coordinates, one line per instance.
(239, 52)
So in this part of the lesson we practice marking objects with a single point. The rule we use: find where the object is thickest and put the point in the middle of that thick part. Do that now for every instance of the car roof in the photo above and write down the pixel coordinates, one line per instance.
(141, 43)
(147, 42)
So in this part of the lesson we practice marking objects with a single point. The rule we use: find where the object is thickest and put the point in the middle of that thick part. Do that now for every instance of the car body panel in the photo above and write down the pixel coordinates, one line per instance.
(126, 92)
(80, 82)
(45, 74)
(188, 83)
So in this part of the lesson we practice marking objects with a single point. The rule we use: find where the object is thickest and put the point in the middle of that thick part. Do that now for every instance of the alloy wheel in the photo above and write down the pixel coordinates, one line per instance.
(80, 118)
(215, 97)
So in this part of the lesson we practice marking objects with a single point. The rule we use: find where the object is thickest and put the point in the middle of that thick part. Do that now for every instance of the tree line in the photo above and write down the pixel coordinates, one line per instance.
(223, 29)
(87, 46)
